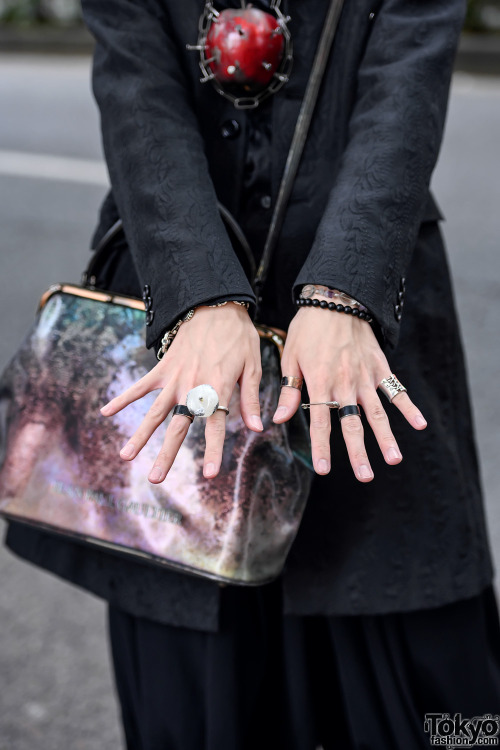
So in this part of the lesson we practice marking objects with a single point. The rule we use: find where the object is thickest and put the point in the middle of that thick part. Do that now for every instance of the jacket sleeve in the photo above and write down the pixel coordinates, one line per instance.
(370, 225)
(157, 165)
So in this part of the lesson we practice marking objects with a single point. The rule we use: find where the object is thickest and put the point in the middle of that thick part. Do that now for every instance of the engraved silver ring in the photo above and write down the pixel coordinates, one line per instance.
(391, 387)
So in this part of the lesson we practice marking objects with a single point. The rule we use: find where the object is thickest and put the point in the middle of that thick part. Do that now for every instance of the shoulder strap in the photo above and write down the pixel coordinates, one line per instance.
(298, 142)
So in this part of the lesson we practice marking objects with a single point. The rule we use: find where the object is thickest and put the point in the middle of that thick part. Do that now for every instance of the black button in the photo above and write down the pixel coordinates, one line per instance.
(402, 283)
(146, 290)
(266, 201)
(397, 312)
(148, 302)
(230, 129)
(401, 297)
(149, 317)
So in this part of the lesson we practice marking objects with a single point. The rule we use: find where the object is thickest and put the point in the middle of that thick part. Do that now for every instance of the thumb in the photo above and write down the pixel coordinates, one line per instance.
(290, 396)
(249, 399)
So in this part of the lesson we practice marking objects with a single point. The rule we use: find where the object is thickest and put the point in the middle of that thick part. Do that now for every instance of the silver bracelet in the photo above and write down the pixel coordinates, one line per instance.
(170, 335)
(236, 302)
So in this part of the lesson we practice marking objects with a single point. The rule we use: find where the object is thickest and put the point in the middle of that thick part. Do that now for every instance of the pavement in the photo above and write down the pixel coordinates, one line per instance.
(478, 53)
(57, 691)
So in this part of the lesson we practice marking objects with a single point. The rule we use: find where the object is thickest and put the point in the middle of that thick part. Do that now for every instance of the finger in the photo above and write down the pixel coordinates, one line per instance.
(352, 430)
(379, 422)
(153, 418)
(174, 436)
(408, 409)
(320, 430)
(215, 433)
(290, 397)
(139, 389)
(249, 397)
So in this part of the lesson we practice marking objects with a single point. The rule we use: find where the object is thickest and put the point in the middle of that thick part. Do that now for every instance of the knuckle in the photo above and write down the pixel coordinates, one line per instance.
(216, 428)
(319, 379)
(178, 425)
(378, 414)
(388, 440)
(380, 360)
(322, 448)
(253, 371)
(360, 457)
(320, 422)
(352, 425)
(254, 335)
(343, 373)
(252, 404)
(165, 457)
(156, 413)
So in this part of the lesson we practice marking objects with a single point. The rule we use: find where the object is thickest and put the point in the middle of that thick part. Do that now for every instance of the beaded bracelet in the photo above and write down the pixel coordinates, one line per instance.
(170, 335)
(347, 309)
(342, 298)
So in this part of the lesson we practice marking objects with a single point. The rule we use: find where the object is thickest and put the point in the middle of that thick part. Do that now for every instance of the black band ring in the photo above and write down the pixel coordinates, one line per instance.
(349, 411)
(183, 411)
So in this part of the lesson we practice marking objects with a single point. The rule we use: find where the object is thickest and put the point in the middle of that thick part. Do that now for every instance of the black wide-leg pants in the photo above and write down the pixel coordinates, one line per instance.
(271, 682)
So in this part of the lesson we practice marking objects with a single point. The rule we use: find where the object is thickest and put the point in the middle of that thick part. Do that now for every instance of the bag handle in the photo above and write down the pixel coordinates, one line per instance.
(298, 143)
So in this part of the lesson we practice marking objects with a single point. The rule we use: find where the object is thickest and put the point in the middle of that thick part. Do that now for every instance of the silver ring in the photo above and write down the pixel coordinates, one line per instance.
(202, 401)
(331, 404)
(223, 408)
(391, 387)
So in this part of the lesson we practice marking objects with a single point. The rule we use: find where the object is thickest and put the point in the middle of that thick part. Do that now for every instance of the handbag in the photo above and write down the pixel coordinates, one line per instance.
(60, 468)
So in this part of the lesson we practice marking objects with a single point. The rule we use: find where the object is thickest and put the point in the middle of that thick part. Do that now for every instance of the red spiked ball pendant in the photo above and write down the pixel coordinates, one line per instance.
(245, 52)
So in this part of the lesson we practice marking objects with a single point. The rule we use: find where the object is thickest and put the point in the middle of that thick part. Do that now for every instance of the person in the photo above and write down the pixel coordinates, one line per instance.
(385, 610)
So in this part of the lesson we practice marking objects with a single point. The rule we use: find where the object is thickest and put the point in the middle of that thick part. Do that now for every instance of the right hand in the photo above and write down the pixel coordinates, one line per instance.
(219, 346)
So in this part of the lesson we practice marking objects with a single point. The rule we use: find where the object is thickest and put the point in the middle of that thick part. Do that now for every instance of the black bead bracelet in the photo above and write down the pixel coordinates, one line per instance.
(354, 311)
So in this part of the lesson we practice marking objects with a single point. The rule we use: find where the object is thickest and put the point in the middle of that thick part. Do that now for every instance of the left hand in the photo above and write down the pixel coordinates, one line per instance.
(340, 360)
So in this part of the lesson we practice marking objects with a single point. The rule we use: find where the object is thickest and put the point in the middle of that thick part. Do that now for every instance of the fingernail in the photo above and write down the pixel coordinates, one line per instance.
(281, 412)
(210, 470)
(364, 472)
(127, 450)
(323, 466)
(104, 409)
(256, 422)
(420, 420)
(156, 473)
(393, 455)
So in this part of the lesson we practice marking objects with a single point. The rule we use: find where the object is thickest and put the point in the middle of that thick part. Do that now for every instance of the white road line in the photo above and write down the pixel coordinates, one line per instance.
(48, 167)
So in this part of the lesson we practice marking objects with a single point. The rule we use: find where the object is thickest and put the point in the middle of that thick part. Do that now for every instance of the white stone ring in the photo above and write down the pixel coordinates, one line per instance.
(202, 401)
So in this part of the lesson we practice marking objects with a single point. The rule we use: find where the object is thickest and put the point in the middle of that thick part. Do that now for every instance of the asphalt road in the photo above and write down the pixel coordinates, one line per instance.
(56, 689)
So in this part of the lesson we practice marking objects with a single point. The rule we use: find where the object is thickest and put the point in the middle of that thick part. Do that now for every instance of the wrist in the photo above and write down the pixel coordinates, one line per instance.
(320, 291)
(170, 335)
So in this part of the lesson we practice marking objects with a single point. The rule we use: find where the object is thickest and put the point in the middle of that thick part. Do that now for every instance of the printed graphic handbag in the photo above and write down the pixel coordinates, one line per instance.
(59, 458)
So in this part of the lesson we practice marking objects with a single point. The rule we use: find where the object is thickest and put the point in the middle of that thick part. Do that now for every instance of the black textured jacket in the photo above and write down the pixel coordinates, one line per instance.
(361, 219)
